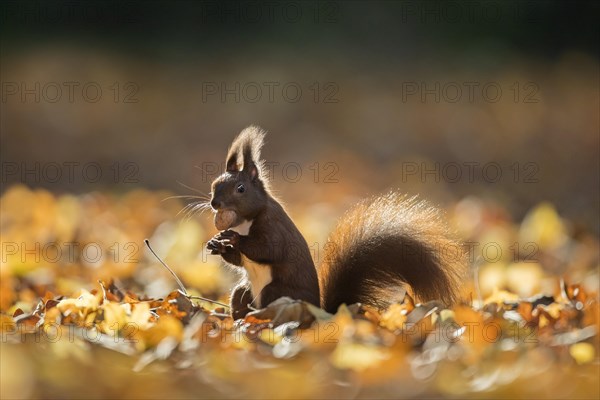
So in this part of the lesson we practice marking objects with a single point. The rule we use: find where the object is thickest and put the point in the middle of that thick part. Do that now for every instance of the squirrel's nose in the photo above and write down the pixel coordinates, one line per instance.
(215, 204)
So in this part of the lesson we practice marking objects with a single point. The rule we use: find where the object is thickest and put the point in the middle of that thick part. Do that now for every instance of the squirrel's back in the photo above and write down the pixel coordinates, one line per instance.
(385, 242)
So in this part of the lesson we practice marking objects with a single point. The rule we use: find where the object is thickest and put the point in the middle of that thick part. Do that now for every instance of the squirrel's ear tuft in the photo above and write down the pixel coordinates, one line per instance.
(247, 145)
(231, 165)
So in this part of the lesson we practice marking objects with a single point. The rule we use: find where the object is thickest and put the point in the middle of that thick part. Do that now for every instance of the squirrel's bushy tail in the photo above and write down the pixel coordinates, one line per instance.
(384, 243)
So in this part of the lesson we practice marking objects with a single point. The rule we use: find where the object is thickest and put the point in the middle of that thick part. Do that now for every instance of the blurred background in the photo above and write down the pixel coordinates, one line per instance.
(386, 91)
(109, 109)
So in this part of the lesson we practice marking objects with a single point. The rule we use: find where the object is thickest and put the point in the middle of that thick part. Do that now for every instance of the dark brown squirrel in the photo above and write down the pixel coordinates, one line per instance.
(379, 246)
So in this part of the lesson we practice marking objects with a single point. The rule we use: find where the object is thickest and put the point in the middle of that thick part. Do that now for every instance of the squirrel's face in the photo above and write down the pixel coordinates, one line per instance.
(236, 197)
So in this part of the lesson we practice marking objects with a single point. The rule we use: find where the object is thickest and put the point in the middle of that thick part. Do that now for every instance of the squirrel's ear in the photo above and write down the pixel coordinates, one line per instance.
(248, 144)
(232, 165)
(253, 172)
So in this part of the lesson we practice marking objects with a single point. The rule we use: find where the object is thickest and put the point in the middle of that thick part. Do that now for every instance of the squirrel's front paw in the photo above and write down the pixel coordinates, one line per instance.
(229, 235)
(223, 242)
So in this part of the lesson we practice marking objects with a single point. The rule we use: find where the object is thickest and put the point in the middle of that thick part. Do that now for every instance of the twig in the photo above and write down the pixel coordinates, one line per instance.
(208, 300)
(167, 267)
(181, 286)
(477, 284)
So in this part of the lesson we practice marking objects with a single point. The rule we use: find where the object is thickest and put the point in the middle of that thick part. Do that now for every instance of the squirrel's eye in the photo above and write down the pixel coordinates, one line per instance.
(241, 188)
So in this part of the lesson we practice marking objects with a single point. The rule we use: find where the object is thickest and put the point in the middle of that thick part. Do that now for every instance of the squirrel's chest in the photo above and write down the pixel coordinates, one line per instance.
(259, 276)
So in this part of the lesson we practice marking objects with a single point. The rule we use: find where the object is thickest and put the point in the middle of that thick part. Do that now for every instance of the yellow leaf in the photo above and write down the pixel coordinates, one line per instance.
(524, 278)
(115, 318)
(492, 277)
(583, 352)
(269, 336)
(544, 227)
(166, 326)
(501, 296)
(140, 316)
(394, 317)
(357, 357)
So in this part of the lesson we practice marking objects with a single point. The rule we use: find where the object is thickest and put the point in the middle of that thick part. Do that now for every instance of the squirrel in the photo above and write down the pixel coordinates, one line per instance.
(378, 247)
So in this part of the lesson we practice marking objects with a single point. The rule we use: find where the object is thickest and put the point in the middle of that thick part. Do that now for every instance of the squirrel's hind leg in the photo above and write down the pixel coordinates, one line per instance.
(241, 300)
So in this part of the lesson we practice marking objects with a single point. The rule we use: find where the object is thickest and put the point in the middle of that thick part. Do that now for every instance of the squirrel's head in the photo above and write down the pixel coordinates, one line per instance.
(240, 193)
